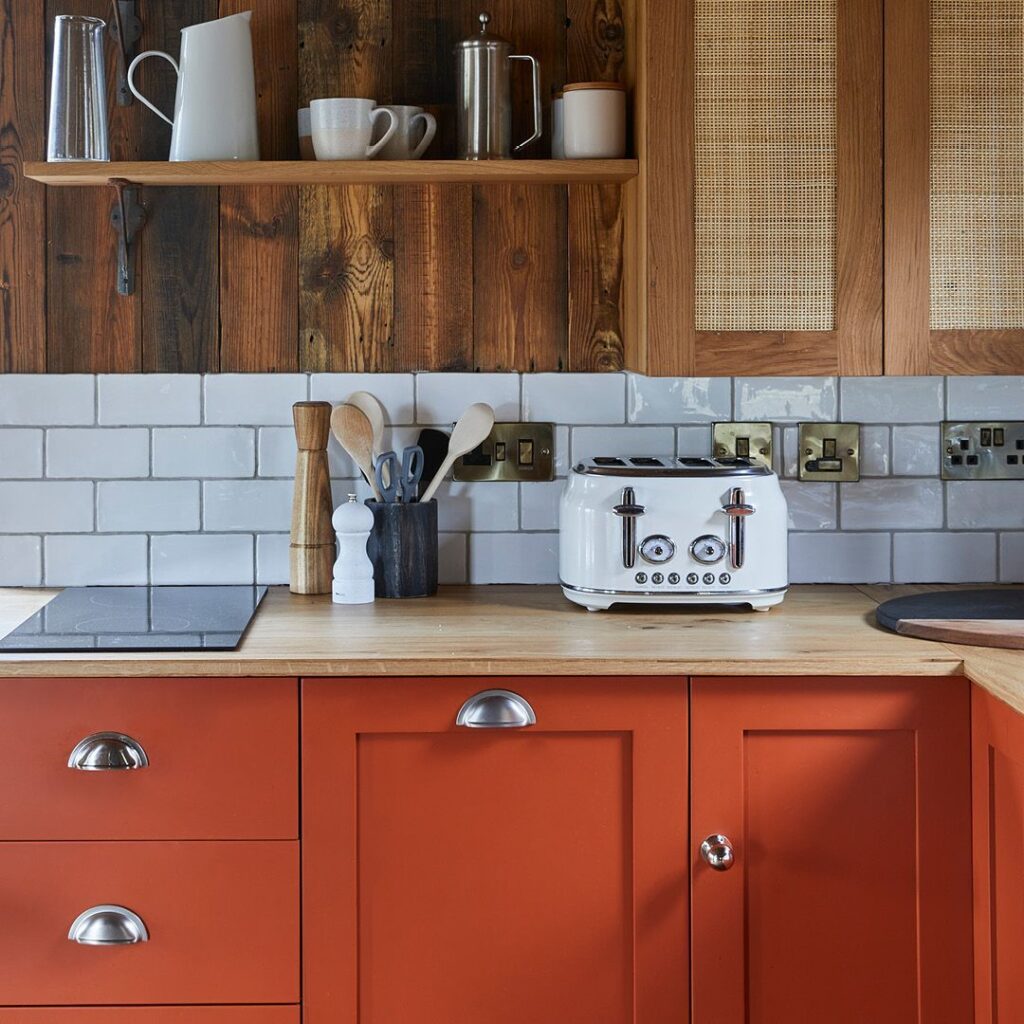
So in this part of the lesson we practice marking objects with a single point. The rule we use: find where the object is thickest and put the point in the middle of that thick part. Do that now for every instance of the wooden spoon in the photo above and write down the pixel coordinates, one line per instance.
(355, 435)
(473, 427)
(369, 405)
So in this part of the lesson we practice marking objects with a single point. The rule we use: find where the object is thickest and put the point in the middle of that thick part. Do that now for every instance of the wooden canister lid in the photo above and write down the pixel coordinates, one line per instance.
(573, 86)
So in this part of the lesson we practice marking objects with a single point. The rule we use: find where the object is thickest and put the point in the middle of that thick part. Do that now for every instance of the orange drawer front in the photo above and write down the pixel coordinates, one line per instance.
(222, 759)
(222, 922)
(153, 1015)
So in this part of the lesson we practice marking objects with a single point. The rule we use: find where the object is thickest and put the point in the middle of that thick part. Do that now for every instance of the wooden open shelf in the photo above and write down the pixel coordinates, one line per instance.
(341, 172)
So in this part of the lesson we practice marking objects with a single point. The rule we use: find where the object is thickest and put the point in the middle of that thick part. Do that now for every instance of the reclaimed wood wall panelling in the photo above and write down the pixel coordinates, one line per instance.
(258, 225)
(22, 202)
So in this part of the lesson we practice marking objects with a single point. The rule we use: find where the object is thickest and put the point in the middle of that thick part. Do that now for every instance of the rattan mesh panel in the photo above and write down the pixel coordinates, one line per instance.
(977, 164)
(765, 164)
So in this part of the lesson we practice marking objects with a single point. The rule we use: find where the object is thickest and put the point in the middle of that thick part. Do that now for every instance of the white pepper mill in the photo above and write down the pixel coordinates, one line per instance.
(353, 571)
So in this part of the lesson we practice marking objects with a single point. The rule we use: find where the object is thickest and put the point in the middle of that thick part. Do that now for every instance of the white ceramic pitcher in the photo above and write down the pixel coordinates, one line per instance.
(215, 104)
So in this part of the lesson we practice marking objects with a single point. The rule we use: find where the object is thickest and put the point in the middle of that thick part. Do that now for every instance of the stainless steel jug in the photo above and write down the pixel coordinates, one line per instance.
(78, 91)
(483, 101)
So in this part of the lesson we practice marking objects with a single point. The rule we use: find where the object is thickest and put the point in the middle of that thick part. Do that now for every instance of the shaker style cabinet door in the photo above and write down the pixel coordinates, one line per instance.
(954, 187)
(998, 756)
(759, 131)
(841, 889)
(495, 871)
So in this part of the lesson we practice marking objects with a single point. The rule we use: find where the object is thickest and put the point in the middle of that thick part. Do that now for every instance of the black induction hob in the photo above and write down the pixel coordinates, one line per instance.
(139, 619)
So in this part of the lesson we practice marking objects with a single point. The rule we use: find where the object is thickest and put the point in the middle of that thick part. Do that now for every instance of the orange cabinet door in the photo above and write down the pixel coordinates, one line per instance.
(498, 875)
(152, 1015)
(847, 803)
(222, 922)
(998, 778)
(223, 759)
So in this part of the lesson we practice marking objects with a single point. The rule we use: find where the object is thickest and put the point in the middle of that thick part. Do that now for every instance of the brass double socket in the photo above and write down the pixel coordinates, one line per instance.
(512, 451)
(829, 451)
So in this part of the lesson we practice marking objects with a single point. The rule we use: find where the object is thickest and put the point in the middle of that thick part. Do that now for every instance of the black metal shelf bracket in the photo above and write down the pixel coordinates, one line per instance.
(128, 216)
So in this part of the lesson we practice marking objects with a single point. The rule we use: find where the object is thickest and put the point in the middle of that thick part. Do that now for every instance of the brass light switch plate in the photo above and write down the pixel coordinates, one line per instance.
(512, 451)
(743, 440)
(829, 451)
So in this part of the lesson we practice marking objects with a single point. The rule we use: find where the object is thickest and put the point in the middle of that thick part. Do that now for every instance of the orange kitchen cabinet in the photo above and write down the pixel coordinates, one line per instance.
(847, 804)
(152, 1015)
(497, 875)
(998, 779)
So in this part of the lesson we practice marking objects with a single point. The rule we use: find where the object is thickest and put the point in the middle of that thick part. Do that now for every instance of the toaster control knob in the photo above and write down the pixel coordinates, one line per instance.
(708, 549)
(692, 578)
(657, 549)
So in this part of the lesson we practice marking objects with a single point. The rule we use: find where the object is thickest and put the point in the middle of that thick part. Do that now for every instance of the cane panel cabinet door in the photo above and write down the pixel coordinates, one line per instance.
(495, 850)
(998, 773)
(837, 883)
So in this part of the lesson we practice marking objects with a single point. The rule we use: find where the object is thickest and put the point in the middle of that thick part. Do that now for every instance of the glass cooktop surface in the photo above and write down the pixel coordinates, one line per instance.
(139, 619)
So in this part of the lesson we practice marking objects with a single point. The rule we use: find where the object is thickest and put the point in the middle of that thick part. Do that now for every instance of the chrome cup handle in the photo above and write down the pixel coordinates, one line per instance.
(107, 752)
(496, 709)
(108, 925)
(538, 121)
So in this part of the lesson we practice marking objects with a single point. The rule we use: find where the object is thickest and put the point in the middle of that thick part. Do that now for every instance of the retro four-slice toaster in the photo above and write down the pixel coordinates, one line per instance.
(683, 530)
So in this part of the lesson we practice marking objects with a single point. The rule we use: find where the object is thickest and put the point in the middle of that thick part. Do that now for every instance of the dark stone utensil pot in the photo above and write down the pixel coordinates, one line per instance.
(403, 548)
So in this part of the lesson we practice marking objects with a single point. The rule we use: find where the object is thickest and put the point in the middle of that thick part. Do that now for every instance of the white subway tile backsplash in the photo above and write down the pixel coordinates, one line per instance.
(986, 398)
(812, 505)
(272, 558)
(253, 399)
(539, 504)
(97, 453)
(915, 451)
(944, 557)
(563, 462)
(985, 504)
(150, 506)
(148, 399)
(477, 506)
(395, 391)
(261, 506)
(891, 504)
(513, 558)
(21, 453)
(693, 440)
(891, 399)
(786, 398)
(590, 441)
(96, 560)
(874, 451)
(452, 566)
(21, 561)
(839, 558)
(46, 506)
(443, 397)
(678, 399)
(197, 452)
(47, 400)
(1011, 558)
(575, 397)
(201, 558)
(277, 451)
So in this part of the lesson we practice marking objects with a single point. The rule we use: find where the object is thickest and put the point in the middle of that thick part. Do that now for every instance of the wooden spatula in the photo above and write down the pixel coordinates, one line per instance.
(473, 427)
(355, 435)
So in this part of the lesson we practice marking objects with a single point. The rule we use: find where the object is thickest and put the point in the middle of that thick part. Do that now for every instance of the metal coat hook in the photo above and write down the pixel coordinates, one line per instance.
(128, 216)
(125, 30)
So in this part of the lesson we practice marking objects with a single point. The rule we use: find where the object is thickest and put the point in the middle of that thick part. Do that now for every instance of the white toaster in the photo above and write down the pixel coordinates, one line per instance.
(673, 530)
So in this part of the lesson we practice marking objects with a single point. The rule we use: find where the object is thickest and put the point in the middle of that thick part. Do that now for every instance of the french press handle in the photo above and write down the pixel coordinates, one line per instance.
(537, 122)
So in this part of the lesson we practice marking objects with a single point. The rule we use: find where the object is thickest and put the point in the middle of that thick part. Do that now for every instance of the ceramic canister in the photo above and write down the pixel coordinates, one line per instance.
(594, 118)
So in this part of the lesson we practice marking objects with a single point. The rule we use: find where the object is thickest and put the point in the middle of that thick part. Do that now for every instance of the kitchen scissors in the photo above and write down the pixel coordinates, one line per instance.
(399, 483)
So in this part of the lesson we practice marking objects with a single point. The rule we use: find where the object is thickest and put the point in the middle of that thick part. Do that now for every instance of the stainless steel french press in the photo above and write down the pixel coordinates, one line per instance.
(483, 100)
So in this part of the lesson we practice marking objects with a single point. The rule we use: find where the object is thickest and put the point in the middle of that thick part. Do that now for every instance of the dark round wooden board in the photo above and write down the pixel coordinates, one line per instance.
(985, 618)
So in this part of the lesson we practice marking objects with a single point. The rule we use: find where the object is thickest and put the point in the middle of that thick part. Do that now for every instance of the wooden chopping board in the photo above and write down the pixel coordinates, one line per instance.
(984, 618)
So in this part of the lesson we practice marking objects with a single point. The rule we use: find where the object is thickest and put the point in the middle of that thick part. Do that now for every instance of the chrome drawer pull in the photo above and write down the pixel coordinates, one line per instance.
(108, 925)
(496, 709)
(717, 852)
(107, 752)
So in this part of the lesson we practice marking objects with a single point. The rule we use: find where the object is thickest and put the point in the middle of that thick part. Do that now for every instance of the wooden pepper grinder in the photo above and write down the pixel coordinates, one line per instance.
(312, 548)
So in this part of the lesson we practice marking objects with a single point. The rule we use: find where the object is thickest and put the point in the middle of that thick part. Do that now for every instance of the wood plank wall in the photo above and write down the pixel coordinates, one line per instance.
(447, 277)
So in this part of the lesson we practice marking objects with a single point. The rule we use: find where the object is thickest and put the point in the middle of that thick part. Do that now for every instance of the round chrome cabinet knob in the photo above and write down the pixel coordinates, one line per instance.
(717, 852)
(657, 549)
(708, 549)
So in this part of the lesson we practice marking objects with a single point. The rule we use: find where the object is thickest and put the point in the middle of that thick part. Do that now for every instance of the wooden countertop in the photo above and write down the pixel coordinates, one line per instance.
(515, 630)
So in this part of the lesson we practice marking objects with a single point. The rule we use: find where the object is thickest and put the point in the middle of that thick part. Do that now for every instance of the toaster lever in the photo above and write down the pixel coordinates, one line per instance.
(629, 511)
(737, 510)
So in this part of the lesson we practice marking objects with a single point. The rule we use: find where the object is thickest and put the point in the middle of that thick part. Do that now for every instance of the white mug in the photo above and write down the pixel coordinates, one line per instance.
(558, 128)
(401, 146)
(343, 128)
(594, 120)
